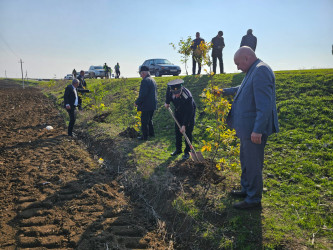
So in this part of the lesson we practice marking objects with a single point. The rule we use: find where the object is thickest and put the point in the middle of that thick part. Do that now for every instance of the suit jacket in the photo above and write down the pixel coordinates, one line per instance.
(69, 96)
(147, 99)
(218, 45)
(249, 40)
(254, 105)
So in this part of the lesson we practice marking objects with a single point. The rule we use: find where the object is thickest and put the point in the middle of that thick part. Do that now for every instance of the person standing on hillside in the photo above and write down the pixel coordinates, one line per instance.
(117, 70)
(147, 103)
(71, 101)
(196, 53)
(218, 45)
(254, 117)
(185, 108)
(106, 70)
(82, 86)
(74, 73)
(249, 40)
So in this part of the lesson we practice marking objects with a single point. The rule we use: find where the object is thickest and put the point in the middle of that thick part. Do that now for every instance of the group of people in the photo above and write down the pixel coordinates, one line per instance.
(108, 70)
(217, 46)
(253, 115)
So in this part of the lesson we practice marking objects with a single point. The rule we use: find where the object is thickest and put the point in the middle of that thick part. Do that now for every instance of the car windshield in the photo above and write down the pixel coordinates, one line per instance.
(162, 61)
(98, 67)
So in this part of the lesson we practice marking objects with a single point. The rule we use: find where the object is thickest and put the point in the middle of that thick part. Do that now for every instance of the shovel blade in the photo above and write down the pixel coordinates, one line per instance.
(194, 156)
(199, 156)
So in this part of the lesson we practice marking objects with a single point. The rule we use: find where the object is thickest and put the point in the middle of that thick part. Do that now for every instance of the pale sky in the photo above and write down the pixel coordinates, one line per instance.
(55, 36)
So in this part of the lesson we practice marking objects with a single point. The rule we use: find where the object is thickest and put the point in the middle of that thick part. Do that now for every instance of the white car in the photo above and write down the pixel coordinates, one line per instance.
(96, 71)
(68, 77)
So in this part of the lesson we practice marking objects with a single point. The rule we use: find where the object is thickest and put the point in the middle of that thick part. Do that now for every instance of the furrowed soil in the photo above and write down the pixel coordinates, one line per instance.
(53, 193)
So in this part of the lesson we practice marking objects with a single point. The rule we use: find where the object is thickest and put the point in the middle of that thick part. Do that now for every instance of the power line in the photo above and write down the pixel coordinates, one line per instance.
(5, 42)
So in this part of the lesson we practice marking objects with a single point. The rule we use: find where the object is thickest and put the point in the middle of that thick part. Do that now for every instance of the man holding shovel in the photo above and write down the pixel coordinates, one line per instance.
(185, 108)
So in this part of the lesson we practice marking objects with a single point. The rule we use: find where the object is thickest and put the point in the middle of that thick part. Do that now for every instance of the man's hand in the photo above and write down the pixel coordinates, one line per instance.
(68, 107)
(166, 105)
(135, 105)
(182, 129)
(256, 138)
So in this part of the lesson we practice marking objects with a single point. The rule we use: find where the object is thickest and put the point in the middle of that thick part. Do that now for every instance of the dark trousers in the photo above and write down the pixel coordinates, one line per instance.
(252, 162)
(147, 127)
(117, 73)
(179, 139)
(194, 64)
(215, 57)
(72, 118)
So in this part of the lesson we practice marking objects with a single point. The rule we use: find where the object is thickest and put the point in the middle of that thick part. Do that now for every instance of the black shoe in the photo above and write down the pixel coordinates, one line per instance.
(141, 138)
(185, 156)
(238, 193)
(245, 205)
(177, 152)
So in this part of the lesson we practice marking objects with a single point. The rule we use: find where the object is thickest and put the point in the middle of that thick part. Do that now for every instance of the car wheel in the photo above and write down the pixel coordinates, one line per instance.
(157, 73)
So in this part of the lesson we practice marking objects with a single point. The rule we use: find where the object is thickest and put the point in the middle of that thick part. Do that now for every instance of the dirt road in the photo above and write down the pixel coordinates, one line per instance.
(53, 193)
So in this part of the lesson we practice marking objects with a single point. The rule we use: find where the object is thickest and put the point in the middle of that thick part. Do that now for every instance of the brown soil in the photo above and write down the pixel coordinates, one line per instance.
(53, 193)
(129, 132)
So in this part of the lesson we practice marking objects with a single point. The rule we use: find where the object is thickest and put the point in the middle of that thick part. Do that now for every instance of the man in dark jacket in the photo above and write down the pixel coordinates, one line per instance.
(185, 108)
(249, 40)
(82, 82)
(71, 101)
(147, 103)
(197, 53)
(218, 45)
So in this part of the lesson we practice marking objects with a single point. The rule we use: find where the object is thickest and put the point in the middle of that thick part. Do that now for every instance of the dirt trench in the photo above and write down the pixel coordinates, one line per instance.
(53, 193)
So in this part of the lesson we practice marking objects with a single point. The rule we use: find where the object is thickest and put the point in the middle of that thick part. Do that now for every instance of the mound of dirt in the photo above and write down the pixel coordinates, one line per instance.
(198, 171)
(129, 132)
(102, 117)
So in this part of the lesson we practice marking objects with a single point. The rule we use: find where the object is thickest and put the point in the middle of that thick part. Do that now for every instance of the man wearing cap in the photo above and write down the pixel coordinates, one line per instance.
(146, 103)
(71, 101)
(185, 108)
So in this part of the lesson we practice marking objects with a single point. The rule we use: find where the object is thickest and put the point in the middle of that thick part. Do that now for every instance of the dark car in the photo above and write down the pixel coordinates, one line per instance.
(159, 67)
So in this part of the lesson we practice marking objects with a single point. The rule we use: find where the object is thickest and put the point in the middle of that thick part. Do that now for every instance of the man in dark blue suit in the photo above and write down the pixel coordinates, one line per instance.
(71, 101)
(254, 117)
(147, 103)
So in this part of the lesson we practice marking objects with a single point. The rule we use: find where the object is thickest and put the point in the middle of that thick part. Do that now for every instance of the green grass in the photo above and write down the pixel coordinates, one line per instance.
(298, 171)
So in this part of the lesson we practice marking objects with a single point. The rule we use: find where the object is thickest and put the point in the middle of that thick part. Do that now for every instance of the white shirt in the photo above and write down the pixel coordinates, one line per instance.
(76, 98)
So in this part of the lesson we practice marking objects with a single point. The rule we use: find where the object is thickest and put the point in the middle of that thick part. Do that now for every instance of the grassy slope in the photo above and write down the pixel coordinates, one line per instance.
(298, 162)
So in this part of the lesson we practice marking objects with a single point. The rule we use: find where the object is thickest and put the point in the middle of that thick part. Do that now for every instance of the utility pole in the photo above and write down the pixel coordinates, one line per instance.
(6, 74)
(22, 72)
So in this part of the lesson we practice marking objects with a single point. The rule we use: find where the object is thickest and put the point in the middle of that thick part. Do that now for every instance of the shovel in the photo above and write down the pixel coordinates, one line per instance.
(196, 156)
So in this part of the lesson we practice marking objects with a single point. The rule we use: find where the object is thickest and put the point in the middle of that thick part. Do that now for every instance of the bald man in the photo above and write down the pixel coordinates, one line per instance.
(253, 115)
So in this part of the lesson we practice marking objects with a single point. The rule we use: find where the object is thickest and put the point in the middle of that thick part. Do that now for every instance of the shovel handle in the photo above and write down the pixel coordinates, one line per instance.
(184, 134)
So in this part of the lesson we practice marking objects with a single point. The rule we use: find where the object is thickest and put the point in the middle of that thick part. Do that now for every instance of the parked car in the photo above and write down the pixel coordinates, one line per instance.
(68, 77)
(159, 67)
(96, 71)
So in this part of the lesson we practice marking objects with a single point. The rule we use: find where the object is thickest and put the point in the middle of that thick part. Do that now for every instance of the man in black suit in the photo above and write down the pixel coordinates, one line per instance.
(71, 101)
(196, 53)
(218, 45)
(249, 40)
(146, 103)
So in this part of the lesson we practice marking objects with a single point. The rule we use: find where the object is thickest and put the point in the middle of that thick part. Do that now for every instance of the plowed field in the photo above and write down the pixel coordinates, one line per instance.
(53, 194)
